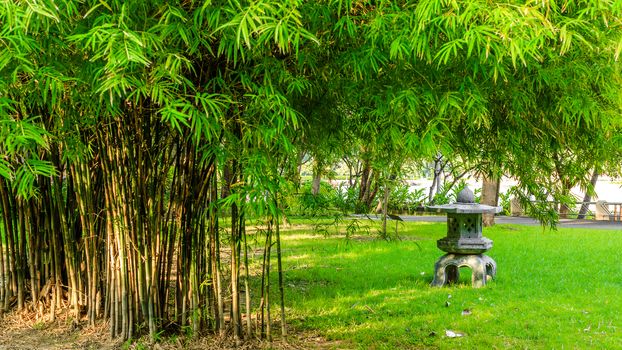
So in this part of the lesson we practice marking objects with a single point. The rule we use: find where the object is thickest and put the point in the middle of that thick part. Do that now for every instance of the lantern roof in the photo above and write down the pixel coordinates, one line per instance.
(465, 204)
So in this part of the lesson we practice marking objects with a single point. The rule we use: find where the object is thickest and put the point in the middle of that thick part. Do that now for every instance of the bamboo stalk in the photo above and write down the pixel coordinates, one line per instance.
(235, 272)
(280, 268)
(267, 296)
(247, 293)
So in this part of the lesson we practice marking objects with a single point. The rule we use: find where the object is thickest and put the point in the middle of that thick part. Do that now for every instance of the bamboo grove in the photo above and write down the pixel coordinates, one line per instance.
(139, 138)
(127, 203)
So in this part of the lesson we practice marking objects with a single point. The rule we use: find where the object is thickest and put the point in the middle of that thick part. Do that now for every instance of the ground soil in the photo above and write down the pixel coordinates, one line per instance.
(23, 331)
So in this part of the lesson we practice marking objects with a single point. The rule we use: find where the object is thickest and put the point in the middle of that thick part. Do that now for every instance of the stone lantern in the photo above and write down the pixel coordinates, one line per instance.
(464, 243)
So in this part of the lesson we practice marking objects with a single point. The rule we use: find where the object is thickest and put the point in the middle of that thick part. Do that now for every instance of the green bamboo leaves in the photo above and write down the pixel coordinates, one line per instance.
(263, 23)
(21, 142)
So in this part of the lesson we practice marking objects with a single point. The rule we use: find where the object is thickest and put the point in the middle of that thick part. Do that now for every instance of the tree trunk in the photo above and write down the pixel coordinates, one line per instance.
(588, 196)
(490, 196)
(299, 163)
(317, 178)
(353, 171)
(436, 181)
(385, 209)
(564, 210)
(366, 176)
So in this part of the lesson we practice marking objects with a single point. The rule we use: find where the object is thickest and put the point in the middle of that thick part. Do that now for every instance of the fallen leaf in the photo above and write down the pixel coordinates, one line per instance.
(452, 334)
(447, 304)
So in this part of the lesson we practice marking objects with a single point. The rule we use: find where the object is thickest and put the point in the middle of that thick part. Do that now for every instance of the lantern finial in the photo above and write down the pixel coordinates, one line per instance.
(466, 196)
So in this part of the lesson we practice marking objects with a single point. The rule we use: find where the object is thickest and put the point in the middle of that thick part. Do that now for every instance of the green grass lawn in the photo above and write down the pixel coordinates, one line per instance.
(554, 290)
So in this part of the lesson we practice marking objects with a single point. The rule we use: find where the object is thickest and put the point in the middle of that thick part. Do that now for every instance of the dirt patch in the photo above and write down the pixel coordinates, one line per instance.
(23, 331)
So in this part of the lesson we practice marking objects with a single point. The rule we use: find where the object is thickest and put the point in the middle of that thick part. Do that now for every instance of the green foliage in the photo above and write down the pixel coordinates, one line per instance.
(320, 204)
(263, 77)
(346, 198)
(403, 199)
(328, 201)
(505, 199)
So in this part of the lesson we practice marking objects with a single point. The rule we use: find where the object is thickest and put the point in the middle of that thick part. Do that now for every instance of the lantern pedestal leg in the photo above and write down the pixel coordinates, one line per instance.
(447, 269)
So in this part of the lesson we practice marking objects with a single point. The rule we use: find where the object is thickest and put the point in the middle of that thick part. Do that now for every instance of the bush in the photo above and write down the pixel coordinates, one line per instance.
(304, 203)
(346, 198)
(448, 194)
(402, 199)
(504, 202)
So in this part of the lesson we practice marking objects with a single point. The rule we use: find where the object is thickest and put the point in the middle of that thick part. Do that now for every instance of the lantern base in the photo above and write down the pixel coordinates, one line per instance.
(447, 269)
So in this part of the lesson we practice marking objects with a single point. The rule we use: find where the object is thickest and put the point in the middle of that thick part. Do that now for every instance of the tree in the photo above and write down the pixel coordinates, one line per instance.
(147, 102)
(535, 82)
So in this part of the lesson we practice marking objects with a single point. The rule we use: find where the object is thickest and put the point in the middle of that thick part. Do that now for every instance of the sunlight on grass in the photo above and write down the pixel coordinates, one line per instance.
(553, 290)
